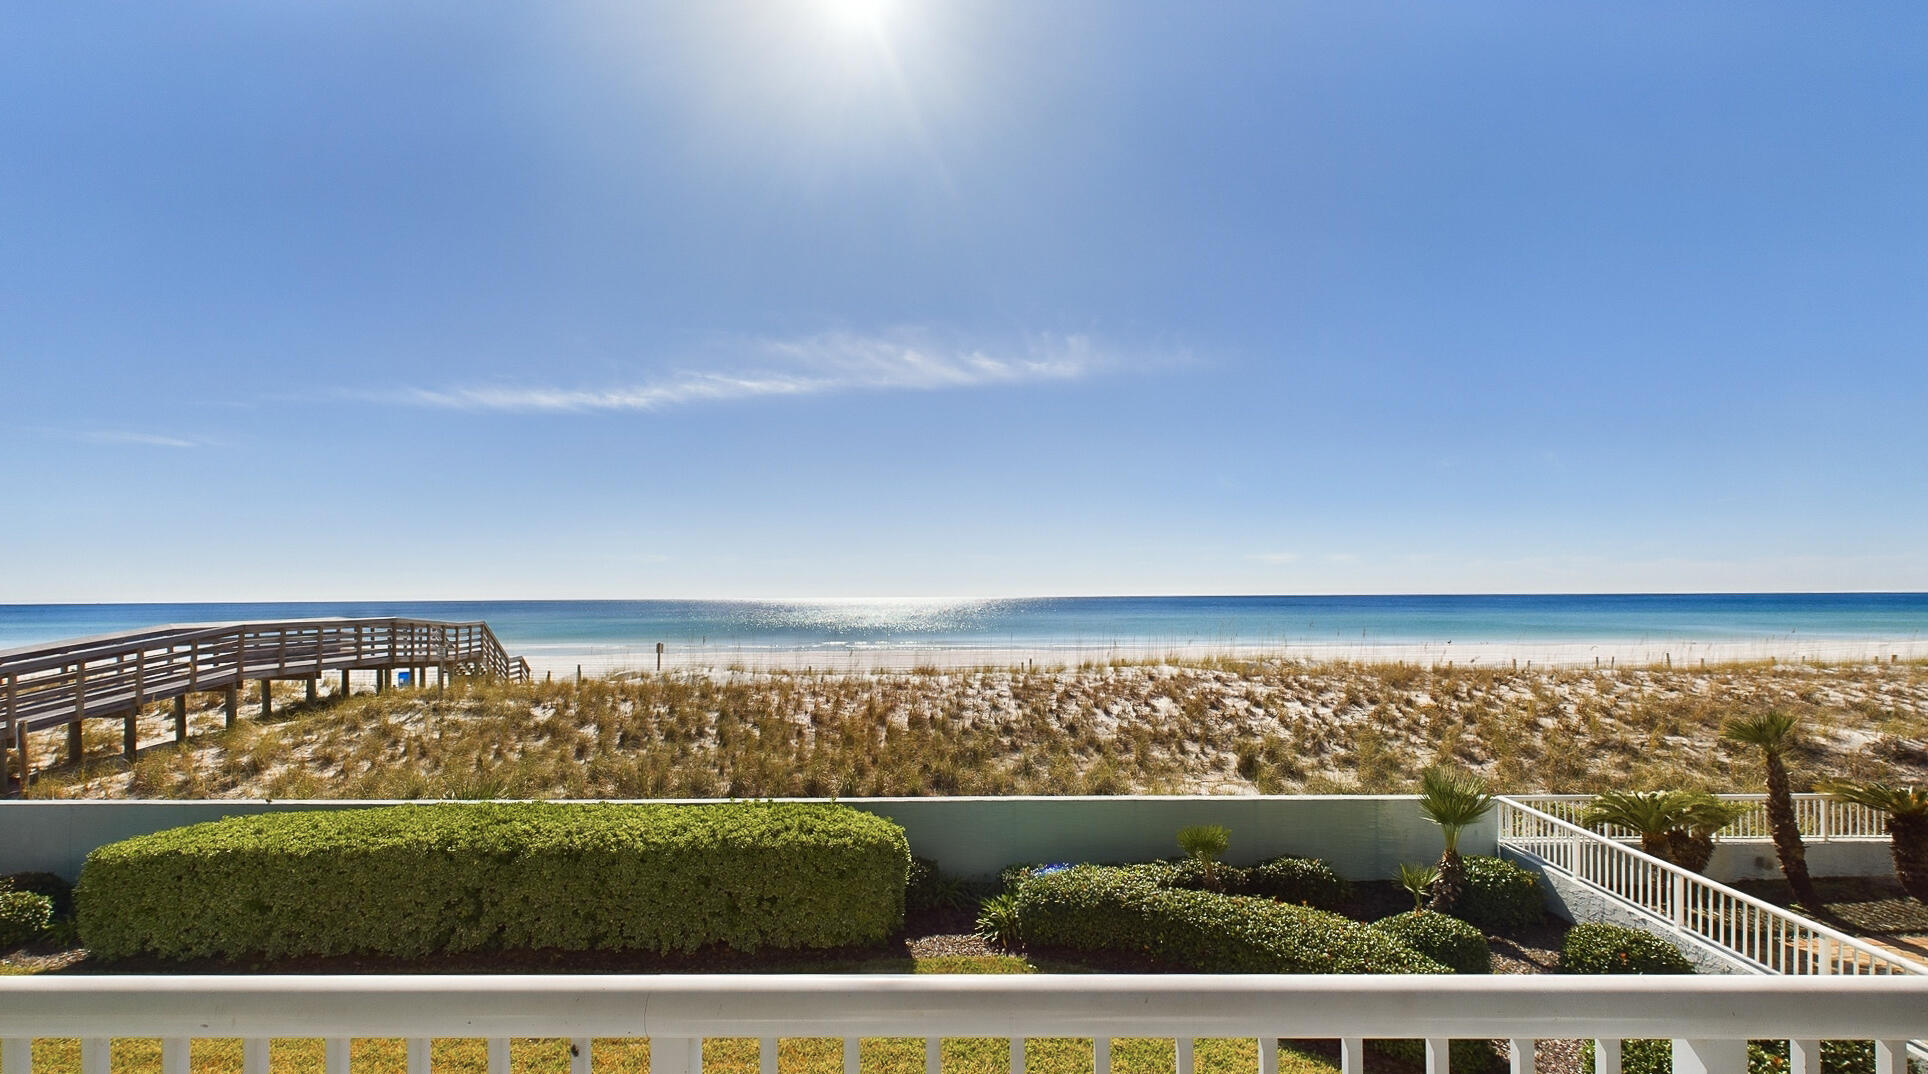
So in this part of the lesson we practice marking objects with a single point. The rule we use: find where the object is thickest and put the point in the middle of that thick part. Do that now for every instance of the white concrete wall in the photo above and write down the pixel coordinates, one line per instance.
(1365, 837)
(1753, 859)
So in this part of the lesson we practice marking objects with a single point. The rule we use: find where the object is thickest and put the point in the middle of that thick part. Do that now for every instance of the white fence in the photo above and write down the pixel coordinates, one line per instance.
(1821, 819)
(1710, 1019)
(1756, 933)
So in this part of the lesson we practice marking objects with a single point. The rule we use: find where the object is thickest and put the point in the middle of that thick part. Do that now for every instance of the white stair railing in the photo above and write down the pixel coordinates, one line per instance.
(1710, 1019)
(1754, 932)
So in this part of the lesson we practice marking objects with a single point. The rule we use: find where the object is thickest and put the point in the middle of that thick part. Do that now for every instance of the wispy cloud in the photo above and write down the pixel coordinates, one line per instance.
(126, 436)
(816, 365)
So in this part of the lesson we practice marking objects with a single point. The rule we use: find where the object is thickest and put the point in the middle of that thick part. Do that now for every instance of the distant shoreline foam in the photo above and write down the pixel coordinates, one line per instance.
(1678, 653)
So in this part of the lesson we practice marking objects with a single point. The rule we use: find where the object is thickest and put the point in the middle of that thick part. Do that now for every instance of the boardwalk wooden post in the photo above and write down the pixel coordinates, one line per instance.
(344, 682)
(233, 704)
(267, 699)
(180, 718)
(21, 743)
(74, 744)
(131, 734)
(314, 689)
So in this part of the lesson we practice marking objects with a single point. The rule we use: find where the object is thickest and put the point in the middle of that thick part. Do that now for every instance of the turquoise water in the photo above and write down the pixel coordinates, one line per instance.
(834, 626)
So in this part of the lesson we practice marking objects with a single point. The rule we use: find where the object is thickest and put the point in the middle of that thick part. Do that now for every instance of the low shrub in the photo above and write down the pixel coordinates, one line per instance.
(414, 880)
(1307, 881)
(929, 889)
(1599, 947)
(53, 887)
(1440, 937)
(997, 920)
(1126, 909)
(1499, 895)
(1763, 1057)
(23, 915)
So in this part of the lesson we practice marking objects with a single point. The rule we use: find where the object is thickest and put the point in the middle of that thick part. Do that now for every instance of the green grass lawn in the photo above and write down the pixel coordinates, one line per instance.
(721, 1056)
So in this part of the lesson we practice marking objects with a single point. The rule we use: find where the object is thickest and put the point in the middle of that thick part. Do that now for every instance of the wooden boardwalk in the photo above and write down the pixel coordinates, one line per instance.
(114, 676)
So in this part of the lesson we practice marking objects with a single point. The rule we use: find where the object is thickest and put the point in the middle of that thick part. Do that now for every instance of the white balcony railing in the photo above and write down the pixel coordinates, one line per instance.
(1710, 1019)
(1821, 819)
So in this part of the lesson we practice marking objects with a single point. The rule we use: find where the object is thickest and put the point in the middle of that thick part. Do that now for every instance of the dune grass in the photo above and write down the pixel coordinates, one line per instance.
(1215, 726)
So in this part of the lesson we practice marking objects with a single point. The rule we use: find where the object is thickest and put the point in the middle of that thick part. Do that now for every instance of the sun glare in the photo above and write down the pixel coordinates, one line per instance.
(857, 16)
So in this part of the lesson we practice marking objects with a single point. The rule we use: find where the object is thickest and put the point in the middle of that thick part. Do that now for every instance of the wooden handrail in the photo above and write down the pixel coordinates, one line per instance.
(65, 682)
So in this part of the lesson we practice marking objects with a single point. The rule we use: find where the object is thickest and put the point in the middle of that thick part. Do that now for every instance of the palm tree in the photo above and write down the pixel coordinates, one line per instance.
(1675, 826)
(1907, 809)
(1691, 845)
(1774, 733)
(1451, 798)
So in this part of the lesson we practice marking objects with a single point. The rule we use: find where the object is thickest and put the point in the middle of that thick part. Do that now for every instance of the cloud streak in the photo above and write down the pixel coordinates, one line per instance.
(138, 439)
(816, 365)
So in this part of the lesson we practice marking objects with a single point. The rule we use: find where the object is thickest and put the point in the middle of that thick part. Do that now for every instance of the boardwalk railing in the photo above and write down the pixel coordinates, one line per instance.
(115, 675)
(1822, 819)
(1709, 1019)
(1752, 932)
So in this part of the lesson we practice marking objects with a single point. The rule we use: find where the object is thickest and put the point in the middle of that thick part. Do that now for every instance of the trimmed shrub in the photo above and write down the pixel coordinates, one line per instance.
(1124, 909)
(1440, 937)
(23, 915)
(414, 880)
(1307, 881)
(53, 887)
(1763, 1057)
(1499, 895)
(1598, 947)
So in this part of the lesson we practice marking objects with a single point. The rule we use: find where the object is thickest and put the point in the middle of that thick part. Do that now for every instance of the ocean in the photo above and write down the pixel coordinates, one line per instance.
(1566, 628)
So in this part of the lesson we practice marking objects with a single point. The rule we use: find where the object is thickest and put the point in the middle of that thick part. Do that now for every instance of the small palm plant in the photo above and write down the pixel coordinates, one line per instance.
(1907, 809)
(1675, 826)
(1452, 798)
(1774, 734)
(1417, 879)
(1203, 845)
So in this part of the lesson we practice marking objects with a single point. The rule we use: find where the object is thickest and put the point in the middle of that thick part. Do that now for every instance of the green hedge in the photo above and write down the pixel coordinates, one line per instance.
(1126, 909)
(1499, 895)
(1599, 947)
(1442, 938)
(1763, 1057)
(1308, 881)
(23, 915)
(414, 880)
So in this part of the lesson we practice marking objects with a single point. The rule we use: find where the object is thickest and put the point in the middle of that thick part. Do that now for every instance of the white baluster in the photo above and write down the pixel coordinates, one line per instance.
(1268, 1055)
(579, 1055)
(1606, 1057)
(498, 1056)
(675, 1055)
(174, 1056)
(254, 1056)
(933, 1055)
(1184, 1064)
(1101, 1056)
(1710, 1057)
(1017, 1056)
(16, 1056)
(1804, 1057)
(1522, 1056)
(1439, 1055)
(1891, 1057)
(766, 1055)
(851, 1055)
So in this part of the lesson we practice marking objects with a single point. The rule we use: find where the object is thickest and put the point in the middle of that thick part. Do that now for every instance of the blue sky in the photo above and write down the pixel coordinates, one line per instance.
(805, 298)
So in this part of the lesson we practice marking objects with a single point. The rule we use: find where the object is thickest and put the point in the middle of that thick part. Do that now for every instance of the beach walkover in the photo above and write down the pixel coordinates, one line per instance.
(114, 675)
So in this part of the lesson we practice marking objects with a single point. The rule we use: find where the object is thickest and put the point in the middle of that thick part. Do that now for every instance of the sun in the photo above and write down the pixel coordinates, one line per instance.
(857, 16)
